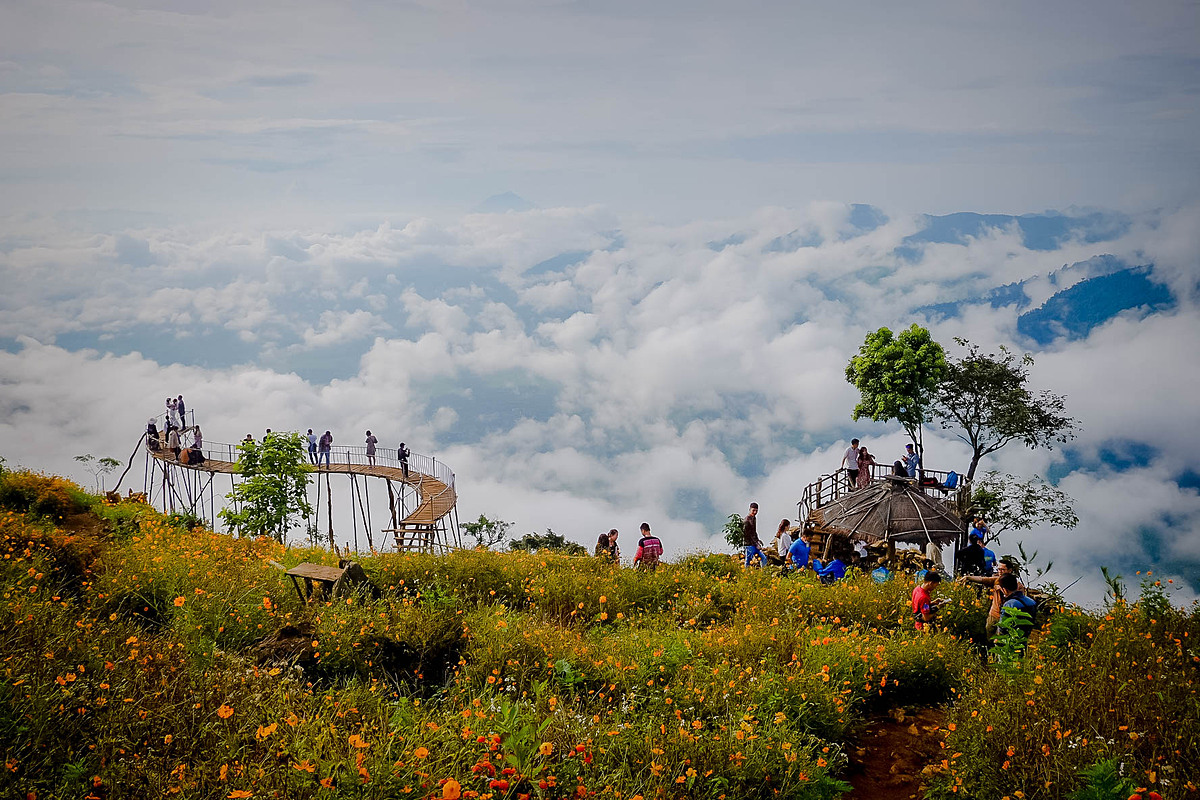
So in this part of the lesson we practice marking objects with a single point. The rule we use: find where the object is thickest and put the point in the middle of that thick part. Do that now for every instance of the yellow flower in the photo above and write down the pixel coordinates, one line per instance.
(357, 741)
(265, 730)
(224, 712)
(239, 794)
(451, 790)
(179, 601)
(420, 752)
(545, 749)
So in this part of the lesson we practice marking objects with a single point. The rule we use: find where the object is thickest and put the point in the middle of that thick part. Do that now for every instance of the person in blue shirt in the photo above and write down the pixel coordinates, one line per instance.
(912, 461)
(989, 562)
(799, 553)
(834, 571)
(1016, 600)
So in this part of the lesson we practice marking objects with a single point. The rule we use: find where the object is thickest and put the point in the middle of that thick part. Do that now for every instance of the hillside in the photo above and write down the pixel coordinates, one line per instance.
(143, 658)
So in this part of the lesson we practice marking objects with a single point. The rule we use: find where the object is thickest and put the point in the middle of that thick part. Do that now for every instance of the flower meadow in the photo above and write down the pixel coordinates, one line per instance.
(143, 656)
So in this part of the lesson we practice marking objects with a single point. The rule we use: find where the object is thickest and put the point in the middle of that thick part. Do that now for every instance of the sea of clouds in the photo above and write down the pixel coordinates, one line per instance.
(580, 370)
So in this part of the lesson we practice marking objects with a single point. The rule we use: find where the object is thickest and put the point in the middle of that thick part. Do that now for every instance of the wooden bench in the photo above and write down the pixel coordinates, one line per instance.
(322, 576)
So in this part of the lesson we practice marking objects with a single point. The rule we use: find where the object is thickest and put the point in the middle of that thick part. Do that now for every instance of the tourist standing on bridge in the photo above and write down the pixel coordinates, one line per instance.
(312, 447)
(182, 409)
(173, 442)
(865, 462)
(850, 462)
(172, 414)
(323, 448)
(402, 455)
(750, 541)
(371, 440)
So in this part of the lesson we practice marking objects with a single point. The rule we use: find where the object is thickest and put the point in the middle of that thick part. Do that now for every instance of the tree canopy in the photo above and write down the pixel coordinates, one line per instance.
(988, 398)
(1009, 502)
(897, 377)
(273, 490)
(533, 542)
(487, 532)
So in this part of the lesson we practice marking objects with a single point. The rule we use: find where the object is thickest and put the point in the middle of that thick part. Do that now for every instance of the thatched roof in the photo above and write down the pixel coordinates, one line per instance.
(893, 509)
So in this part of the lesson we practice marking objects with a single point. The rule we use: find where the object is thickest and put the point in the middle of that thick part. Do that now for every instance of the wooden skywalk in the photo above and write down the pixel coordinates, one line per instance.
(433, 481)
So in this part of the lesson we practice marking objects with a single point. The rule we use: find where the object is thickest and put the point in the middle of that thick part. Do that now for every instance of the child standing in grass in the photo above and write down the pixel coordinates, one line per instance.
(924, 607)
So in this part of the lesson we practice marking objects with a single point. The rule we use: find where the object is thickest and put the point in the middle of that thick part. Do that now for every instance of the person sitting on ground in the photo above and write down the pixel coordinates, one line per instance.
(1016, 600)
(649, 550)
(799, 553)
(1005, 566)
(971, 559)
(924, 607)
(833, 571)
(750, 540)
(601, 546)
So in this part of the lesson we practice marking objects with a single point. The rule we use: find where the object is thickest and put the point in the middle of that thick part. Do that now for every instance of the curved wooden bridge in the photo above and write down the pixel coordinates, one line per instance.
(431, 524)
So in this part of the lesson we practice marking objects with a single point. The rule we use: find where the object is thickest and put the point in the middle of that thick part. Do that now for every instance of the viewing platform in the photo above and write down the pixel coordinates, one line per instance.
(430, 525)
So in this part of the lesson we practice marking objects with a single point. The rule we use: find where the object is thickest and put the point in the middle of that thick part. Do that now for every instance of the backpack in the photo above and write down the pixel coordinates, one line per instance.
(1033, 608)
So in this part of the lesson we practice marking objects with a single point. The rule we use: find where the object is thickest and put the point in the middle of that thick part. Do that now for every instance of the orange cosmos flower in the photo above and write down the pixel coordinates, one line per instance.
(225, 711)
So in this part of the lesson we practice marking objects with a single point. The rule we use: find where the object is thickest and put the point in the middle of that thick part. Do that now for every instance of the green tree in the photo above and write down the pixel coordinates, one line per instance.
(989, 399)
(897, 377)
(99, 467)
(1009, 502)
(733, 532)
(487, 532)
(273, 489)
(533, 542)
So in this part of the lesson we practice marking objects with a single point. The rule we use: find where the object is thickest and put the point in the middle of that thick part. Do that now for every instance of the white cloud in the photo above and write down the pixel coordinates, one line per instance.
(669, 380)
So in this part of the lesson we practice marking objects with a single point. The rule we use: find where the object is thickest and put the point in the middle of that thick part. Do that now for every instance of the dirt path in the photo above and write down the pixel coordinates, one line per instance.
(891, 753)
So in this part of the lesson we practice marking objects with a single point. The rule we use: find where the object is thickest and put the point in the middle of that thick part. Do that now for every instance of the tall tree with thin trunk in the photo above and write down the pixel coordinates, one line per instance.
(897, 377)
(988, 399)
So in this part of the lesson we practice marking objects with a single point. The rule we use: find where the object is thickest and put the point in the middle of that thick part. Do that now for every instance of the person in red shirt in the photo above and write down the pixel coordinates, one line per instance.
(924, 607)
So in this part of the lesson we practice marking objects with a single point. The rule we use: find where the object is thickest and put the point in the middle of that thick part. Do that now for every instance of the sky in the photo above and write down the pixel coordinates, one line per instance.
(609, 260)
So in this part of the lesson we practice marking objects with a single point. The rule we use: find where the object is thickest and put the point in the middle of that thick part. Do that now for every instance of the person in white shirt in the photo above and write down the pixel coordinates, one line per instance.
(850, 463)
(783, 540)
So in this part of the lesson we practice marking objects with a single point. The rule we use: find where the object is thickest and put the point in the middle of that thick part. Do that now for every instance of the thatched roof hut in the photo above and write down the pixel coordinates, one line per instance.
(890, 510)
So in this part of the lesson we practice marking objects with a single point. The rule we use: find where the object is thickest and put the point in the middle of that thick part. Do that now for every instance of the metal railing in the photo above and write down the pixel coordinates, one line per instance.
(419, 466)
(833, 486)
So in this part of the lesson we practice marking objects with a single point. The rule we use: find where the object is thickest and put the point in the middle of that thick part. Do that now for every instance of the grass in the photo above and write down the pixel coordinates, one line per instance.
(145, 657)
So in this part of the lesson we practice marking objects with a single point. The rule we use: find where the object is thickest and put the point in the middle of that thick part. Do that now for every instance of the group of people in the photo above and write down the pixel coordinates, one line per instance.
(857, 461)
(319, 448)
(649, 548)
(175, 427)
(792, 550)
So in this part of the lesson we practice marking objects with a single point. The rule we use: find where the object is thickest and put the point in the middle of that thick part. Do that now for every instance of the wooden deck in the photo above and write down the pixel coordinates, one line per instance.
(437, 499)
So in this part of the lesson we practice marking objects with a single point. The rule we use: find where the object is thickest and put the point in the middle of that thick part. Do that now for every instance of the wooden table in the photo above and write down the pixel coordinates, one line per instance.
(324, 577)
